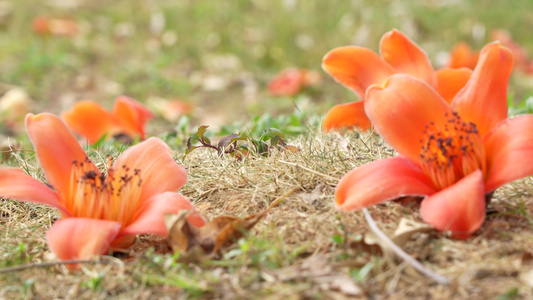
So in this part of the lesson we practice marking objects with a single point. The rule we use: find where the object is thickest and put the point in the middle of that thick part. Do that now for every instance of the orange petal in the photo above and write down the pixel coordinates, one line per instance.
(346, 116)
(462, 56)
(406, 57)
(401, 110)
(16, 184)
(451, 81)
(483, 101)
(380, 181)
(356, 67)
(509, 151)
(81, 238)
(87, 118)
(56, 149)
(131, 116)
(158, 170)
(459, 208)
(151, 215)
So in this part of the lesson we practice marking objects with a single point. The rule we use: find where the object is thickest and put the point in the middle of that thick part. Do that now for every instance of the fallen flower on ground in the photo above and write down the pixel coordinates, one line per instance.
(89, 119)
(55, 26)
(358, 68)
(99, 212)
(291, 81)
(462, 56)
(455, 154)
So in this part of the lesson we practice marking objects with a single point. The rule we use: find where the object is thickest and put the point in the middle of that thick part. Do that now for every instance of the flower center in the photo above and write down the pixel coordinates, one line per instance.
(115, 198)
(451, 151)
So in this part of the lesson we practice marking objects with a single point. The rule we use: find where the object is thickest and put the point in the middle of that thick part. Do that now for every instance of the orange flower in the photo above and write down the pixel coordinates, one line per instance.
(98, 211)
(462, 56)
(358, 68)
(89, 119)
(290, 82)
(59, 27)
(453, 153)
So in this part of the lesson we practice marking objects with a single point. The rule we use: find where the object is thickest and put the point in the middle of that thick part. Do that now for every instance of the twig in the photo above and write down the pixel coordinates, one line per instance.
(310, 170)
(281, 198)
(53, 263)
(413, 262)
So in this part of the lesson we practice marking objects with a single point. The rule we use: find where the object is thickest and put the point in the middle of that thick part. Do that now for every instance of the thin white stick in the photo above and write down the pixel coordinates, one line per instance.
(413, 262)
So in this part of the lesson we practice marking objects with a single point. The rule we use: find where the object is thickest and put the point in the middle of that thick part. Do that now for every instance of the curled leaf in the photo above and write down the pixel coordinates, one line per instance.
(212, 237)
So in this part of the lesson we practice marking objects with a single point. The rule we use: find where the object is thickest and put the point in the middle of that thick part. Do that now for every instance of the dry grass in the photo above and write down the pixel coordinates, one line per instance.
(304, 248)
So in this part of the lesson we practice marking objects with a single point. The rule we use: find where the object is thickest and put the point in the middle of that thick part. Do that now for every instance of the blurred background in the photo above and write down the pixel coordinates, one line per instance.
(213, 60)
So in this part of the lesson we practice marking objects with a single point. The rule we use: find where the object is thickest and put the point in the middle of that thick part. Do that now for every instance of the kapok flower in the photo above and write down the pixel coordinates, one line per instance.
(454, 154)
(358, 68)
(128, 117)
(55, 26)
(290, 82)
(462, 56)
(98, 211)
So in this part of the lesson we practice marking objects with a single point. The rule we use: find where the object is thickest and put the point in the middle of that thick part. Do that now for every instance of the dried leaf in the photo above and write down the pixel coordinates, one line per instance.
(407, 228)
(219, 232)
(314, 197)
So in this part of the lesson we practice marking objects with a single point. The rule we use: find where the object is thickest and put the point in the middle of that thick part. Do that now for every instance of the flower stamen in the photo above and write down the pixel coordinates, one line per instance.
(451, 151)
(115, 198)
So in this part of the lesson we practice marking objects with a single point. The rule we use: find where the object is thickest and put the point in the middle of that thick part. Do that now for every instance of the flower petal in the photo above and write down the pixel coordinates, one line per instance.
(89, 119)
(151, 216)
(357, 68)
(15, 184)
(347, 116)
(81, 238)
(56, 149)
(401, 109)
(406, 57)
(131, 116)
(459, 208)
(380, 181)
(158, 170)
(462, 56)
(509, 151)
(483, 100)
(451, 81)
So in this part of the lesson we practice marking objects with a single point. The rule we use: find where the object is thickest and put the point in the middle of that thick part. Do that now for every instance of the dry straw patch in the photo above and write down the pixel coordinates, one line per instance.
(303, 248)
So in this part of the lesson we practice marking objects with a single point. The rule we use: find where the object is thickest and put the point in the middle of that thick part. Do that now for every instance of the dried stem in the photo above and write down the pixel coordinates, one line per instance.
(413, 262)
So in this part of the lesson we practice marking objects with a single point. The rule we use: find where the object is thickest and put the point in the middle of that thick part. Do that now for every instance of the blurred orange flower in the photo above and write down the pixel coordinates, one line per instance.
(291, 81)
(462, 56)
(55, 26)
(358, 68)
(128, 117)
(455, 154)
(99, 212)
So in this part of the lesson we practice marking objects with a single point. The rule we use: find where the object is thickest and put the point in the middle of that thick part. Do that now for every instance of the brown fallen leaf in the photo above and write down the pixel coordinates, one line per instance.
(219, 232)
